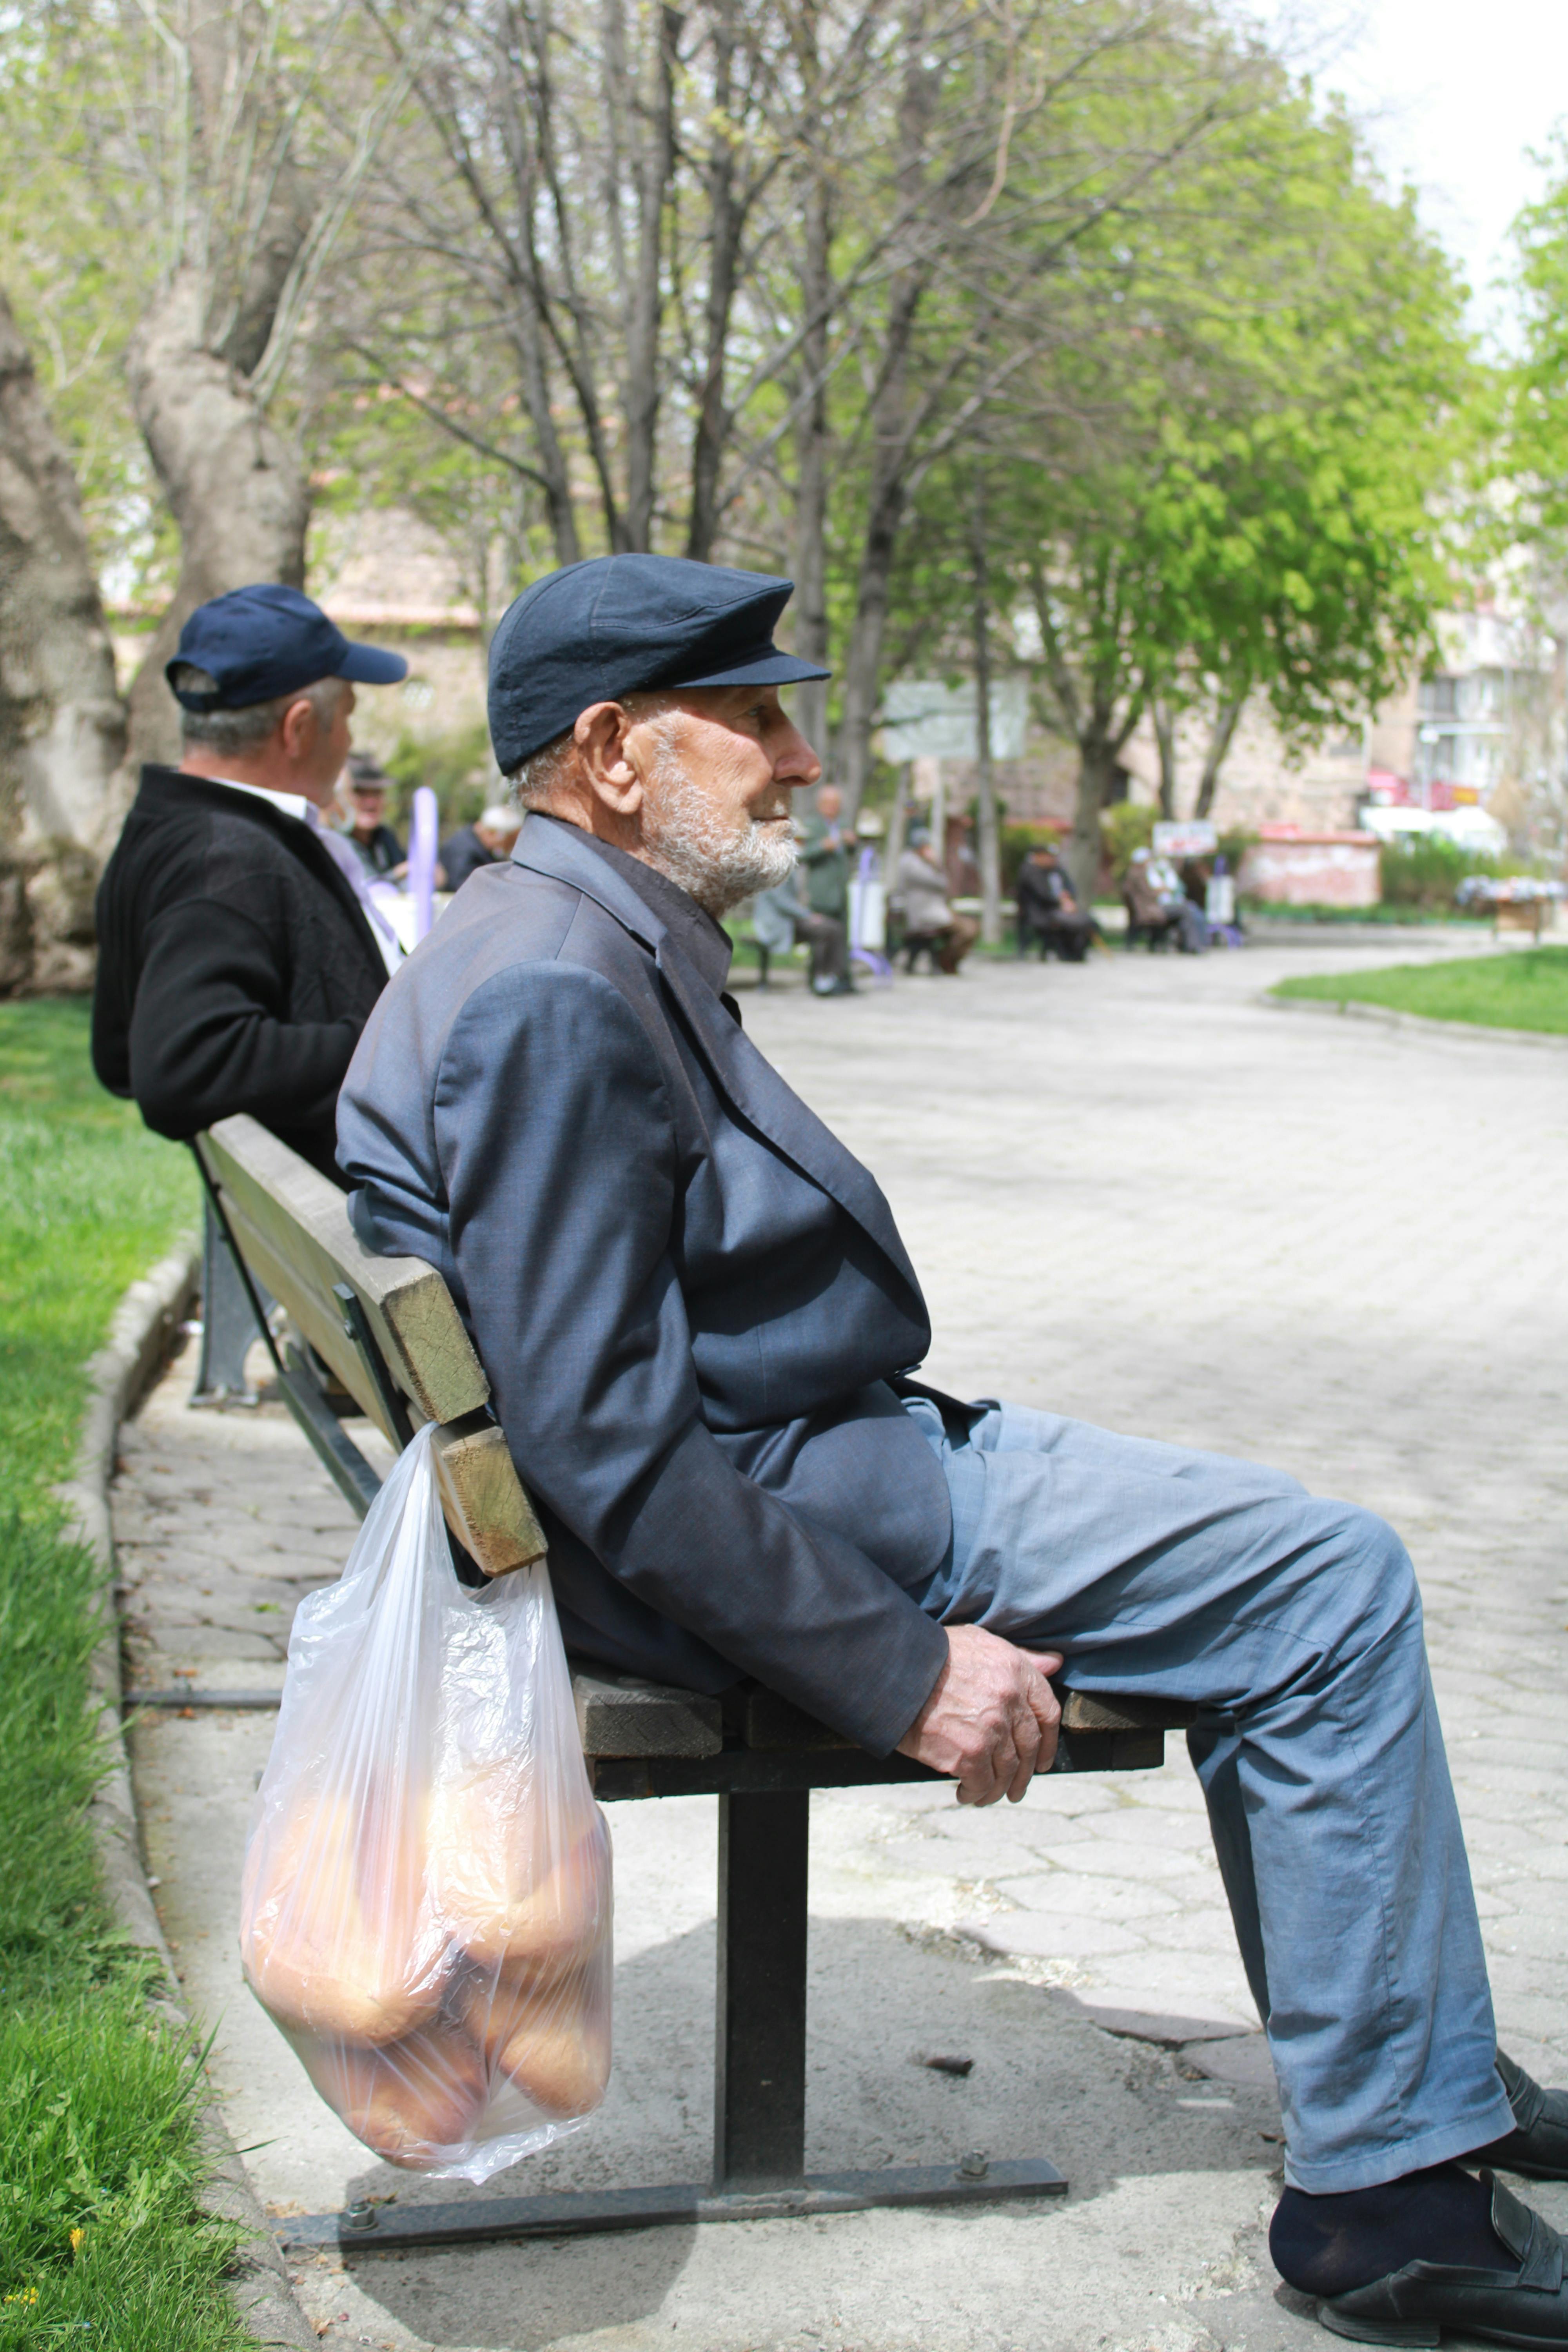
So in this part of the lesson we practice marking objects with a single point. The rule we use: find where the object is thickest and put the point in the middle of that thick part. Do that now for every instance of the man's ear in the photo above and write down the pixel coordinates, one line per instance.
(298, 727)
(606, 766)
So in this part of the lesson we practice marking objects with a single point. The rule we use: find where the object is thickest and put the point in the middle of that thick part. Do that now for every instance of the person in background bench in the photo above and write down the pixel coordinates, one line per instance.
(929, 920)
(1049, 914)
(238, 952)
(1157, 904)
(487, 842)
(780, 918)
(824, 849)
(363, 789)
(700, 1324)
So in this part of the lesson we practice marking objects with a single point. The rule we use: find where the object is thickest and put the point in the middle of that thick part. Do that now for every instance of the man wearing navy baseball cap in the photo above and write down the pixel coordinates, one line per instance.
(239, 954)
(700, 1324)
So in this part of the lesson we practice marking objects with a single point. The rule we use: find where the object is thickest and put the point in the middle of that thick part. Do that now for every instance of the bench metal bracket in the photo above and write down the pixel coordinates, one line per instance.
(759, 2083)
(344, 1464)
(356, 1326)
(374, 2227)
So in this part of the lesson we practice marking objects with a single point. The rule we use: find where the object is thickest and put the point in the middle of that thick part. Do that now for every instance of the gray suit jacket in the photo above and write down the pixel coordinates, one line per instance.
(689, 1299)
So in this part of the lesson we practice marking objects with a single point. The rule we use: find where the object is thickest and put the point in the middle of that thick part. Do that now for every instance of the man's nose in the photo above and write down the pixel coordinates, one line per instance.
(795, 763)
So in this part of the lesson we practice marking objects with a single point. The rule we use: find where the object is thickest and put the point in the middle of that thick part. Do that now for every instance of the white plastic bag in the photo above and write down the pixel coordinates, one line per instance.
(427, 1898)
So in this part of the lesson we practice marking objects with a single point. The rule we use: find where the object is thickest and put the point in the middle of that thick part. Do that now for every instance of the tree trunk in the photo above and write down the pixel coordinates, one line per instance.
(984, 780)
(656, 165)
(62, 724)
(1165, 737)
(811, 473)
(1096, 777)
(236, 488)
(863, 660)
(897, 829)
(1220, 735)
(884, 520)
(726, 215)
(528, 346)
(891, 434)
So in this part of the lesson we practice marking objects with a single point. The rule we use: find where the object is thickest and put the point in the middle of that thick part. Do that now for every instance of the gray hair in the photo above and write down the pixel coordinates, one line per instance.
(536, 781)
(238, 731)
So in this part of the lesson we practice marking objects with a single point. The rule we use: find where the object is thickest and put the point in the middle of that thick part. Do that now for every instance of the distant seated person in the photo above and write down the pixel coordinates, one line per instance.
(780, 919)
(239, 951)
(1157, 905)
(363, 787)
(929, 920)
(489, 841)
(1050, 917)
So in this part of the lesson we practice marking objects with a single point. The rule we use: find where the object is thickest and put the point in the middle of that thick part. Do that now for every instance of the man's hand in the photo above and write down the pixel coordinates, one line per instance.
(991, 1721)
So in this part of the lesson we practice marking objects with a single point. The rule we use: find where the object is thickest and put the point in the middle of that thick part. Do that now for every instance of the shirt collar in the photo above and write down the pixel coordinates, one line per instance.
(347, 861)
(704, 942)
(293, 805)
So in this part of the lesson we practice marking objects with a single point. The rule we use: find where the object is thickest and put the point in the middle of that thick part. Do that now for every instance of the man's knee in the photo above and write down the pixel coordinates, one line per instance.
(1375, 1582)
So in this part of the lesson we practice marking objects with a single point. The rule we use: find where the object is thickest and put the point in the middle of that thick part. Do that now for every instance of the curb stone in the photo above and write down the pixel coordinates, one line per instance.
(118, 1376)
(1470, 1033)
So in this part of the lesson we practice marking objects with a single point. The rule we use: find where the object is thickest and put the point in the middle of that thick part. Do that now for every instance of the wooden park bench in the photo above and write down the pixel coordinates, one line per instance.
(1531, 916)
(387, 1330)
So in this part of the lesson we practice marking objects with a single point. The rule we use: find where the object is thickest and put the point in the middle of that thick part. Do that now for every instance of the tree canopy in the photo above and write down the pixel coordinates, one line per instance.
(789, 284)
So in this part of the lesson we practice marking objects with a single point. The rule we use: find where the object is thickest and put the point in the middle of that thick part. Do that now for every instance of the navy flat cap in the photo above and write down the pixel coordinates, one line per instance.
(259, 643)
(621, 624)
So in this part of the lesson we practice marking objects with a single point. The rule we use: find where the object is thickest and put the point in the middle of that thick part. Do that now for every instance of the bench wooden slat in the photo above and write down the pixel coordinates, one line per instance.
(321, 1322)
(485, 1503)
(303, 1220)
(621, 1717)
(292, 1230)
(618, 1715)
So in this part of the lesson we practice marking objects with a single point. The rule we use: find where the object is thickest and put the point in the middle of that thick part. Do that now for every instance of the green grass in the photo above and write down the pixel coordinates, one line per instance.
(1525, 989)
(99, 2232)
(1388, 914)
(89, 1201)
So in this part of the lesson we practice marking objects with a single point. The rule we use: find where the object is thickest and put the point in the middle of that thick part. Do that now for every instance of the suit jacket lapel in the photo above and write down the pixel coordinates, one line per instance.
(758, 1092)
(742, 1074)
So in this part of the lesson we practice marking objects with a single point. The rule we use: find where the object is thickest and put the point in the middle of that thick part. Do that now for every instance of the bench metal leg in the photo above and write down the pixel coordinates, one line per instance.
(228, 1323)
(759, 2122)
(759, 2071)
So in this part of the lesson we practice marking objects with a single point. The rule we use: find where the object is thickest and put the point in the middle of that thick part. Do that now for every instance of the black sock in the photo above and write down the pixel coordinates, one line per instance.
(1327, 2245)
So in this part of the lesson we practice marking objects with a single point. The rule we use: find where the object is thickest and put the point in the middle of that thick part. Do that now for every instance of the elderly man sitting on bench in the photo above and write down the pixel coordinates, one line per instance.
(700, 1328)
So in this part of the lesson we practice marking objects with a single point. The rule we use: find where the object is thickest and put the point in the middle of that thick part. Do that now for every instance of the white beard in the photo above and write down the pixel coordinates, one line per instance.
(685, 838)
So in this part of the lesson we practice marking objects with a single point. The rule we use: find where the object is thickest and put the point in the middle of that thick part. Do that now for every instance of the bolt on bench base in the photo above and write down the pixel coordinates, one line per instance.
(388, 2229)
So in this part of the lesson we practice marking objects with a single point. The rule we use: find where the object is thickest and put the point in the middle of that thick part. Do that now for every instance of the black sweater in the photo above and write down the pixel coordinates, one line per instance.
(236, 967)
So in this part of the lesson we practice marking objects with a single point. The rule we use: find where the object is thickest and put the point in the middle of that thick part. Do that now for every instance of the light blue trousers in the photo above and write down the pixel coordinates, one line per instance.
(1295, 1626)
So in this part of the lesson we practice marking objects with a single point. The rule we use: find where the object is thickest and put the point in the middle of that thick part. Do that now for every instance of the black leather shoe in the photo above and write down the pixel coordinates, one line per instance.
(1538, 2144)
(1527, 2307)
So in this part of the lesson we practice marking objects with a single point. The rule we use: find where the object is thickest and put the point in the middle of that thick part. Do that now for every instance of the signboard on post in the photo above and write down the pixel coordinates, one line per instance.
(1192, 836)
(927, 721)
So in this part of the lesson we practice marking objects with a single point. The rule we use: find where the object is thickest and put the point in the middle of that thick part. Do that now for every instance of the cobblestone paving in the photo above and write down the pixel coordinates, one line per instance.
(1134, 1195)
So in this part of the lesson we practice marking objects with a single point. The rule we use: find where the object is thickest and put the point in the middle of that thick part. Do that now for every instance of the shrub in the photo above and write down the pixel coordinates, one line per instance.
(1125, 826)
(457, 767)
(1424, 869)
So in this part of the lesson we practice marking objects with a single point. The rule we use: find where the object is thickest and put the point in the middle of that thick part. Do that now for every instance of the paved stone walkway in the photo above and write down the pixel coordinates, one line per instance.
(1137, 1195)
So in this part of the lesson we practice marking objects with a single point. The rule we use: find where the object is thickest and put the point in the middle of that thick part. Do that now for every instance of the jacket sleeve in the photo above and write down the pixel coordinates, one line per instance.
(208, 1036)
(558, 1155)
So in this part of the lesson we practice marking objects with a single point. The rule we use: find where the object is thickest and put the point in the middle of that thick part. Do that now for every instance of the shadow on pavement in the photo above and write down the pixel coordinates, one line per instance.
(1044, 2081)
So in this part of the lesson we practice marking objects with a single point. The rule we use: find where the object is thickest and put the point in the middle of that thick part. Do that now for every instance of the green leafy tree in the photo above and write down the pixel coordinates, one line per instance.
(1529, 523)
(1538, 410)
(1240, 490)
